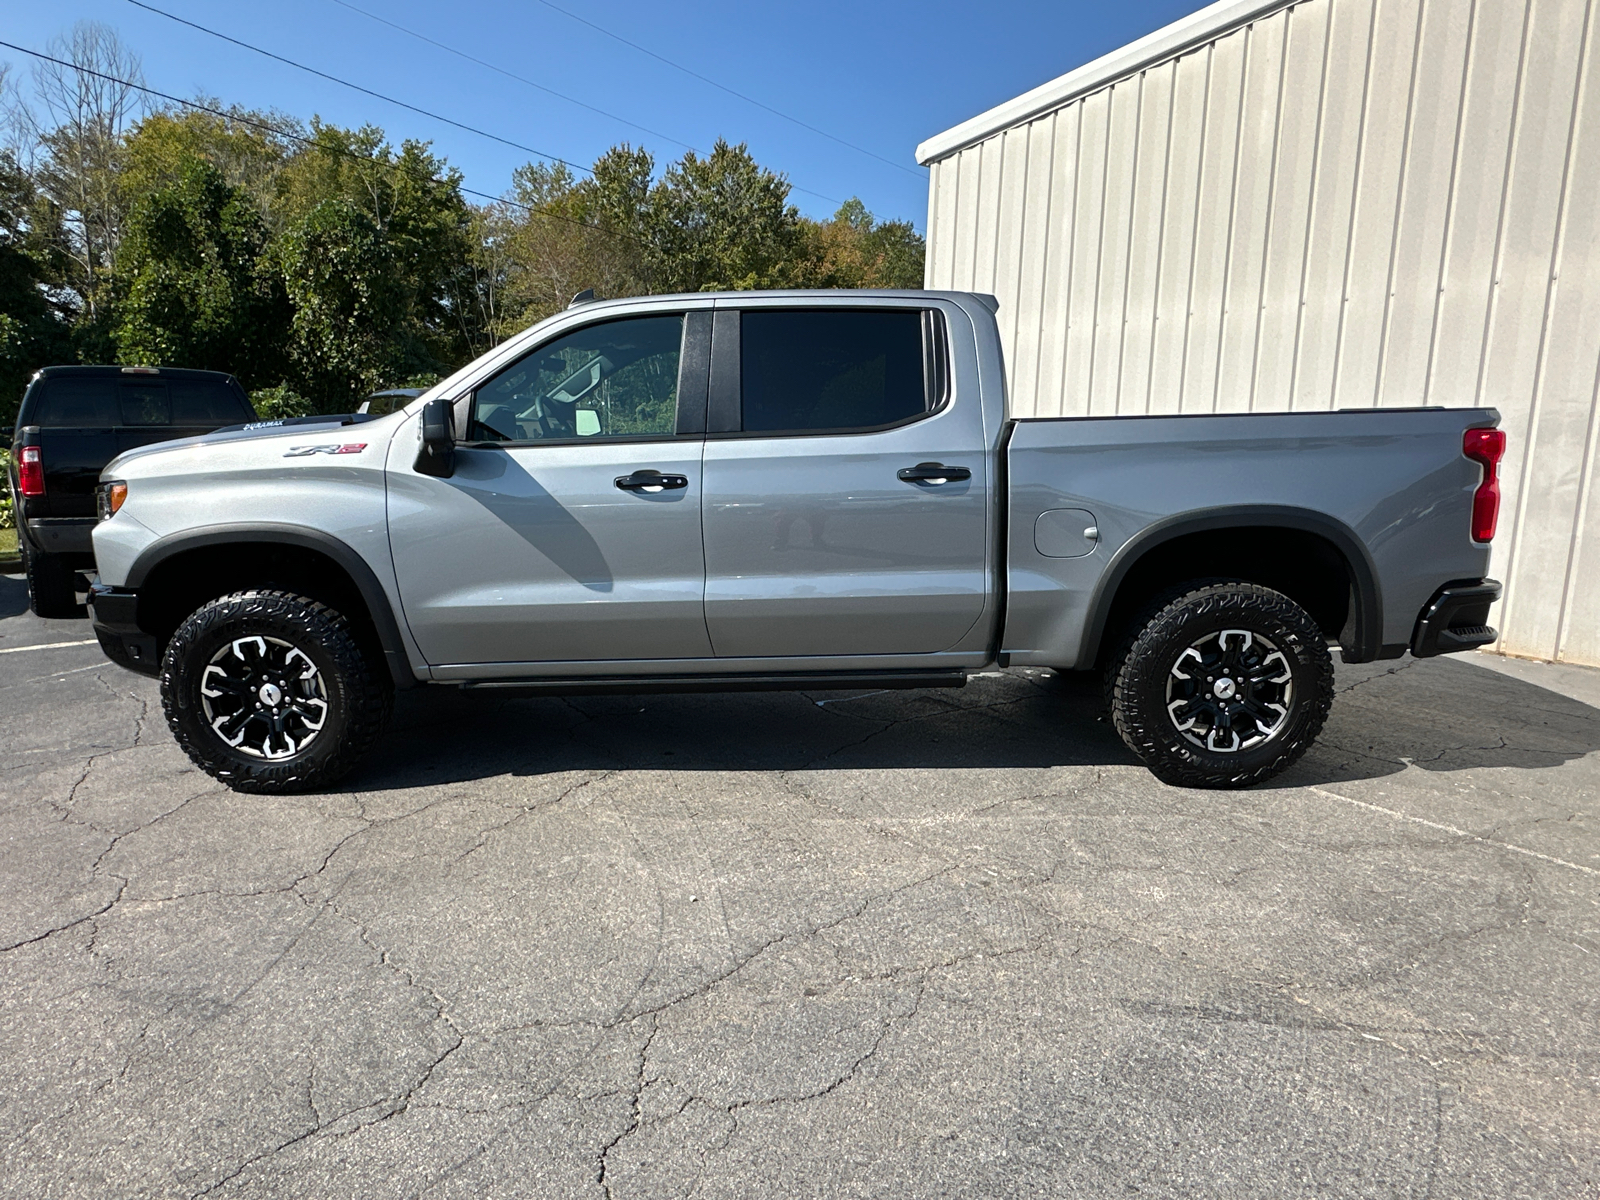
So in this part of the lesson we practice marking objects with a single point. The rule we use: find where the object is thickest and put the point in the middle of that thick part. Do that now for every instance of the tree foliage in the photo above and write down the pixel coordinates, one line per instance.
(319, 264)
(192, 286)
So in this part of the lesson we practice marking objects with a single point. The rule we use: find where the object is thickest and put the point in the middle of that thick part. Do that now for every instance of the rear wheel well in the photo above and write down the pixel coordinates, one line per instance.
(178, 585)
(1306, 567)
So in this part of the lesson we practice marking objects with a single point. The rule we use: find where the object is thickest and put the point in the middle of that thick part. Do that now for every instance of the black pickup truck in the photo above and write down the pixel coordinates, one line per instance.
(73, 421)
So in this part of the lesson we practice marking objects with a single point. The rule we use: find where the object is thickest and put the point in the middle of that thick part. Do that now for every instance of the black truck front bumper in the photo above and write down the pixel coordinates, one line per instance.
(114, 613)
(1456, 619)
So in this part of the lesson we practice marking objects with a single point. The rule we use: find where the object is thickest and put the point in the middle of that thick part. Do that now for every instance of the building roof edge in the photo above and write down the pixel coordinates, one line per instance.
(1183, 34)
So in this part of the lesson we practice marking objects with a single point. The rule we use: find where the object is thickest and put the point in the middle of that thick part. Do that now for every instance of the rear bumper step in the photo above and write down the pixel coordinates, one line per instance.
(1456, 619)
(797, 682)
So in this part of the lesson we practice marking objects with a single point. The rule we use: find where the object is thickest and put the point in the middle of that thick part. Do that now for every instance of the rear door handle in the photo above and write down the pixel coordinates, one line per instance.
(933, 473)
(651, 481)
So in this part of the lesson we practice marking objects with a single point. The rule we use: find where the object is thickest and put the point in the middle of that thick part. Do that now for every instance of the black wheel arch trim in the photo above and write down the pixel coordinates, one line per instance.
(360, 572)
(1365, 642)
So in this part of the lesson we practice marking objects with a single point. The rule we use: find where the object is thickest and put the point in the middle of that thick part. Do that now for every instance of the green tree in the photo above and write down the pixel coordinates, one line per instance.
(855, 250)
(375, 254)
(193, 290)
(34, 331)
(722, 221)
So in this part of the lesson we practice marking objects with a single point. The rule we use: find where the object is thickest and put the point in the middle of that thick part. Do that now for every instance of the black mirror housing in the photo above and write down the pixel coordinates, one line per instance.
(437, 453)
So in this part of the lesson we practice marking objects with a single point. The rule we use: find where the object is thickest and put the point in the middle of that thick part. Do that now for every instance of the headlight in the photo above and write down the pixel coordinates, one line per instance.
(109, 497)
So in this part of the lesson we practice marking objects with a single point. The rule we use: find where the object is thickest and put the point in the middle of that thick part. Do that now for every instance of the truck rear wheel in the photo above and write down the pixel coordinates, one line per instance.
(1223, 686)
(270, 692)
(52, 586)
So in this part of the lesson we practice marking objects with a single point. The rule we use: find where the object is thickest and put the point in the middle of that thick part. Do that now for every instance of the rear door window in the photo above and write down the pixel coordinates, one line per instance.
(832, 370)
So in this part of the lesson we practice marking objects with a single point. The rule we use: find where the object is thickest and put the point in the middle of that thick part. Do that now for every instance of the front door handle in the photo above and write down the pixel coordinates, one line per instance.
(651, 481)
(933, 473)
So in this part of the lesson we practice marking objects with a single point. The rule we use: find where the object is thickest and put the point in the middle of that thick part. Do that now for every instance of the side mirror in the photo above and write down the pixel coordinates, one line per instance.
(437, 453)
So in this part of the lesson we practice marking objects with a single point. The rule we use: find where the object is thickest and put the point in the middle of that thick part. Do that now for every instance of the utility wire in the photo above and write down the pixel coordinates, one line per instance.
(358, 88)
(422, 37)
(323, 147)
(723, 87)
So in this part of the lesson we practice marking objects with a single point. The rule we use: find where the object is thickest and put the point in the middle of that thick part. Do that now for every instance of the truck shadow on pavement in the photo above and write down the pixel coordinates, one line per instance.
(13, 593)
(1439, 715)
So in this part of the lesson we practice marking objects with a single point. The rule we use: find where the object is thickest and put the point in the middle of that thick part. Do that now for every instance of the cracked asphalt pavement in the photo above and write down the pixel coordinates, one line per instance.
(898, 944)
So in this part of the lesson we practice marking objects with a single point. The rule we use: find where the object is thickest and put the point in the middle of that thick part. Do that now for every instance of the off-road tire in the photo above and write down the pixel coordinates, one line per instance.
(1137, 682)
(52, 585)
(359, 693)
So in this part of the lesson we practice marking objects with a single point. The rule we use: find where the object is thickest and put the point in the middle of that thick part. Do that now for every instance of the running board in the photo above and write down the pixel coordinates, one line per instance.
(638, 684)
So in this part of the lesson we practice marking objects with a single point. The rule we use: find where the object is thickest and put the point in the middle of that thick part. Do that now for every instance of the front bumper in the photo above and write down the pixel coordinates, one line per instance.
(1456, 619)
(114, 613)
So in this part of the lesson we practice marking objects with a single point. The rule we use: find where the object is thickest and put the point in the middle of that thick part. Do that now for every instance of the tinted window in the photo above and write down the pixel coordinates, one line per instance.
(199, 402)
(146, 403)
(617, 379)
(78, 404)
(830, 370)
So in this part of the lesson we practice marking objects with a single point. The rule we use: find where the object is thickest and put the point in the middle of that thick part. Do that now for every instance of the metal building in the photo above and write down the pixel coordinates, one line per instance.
(1311, 205)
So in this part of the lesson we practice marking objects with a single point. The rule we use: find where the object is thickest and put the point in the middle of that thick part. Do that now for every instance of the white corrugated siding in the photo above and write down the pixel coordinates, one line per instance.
(1344, 203)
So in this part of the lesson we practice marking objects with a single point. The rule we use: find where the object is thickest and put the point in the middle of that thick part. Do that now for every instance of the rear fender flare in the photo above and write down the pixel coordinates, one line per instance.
(1367, 635)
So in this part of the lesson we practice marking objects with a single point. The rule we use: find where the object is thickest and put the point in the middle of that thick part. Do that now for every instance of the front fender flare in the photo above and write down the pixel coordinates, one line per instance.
(359, 570)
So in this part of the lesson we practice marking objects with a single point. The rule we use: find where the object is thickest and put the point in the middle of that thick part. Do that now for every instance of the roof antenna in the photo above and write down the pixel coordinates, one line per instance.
(584, 297)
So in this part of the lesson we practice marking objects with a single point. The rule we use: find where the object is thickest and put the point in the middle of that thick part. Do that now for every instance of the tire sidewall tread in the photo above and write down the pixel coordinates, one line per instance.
(1136, 682)
(360, 697)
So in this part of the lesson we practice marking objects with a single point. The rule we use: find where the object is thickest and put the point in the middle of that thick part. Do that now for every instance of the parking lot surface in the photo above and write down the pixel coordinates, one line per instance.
(902, 944)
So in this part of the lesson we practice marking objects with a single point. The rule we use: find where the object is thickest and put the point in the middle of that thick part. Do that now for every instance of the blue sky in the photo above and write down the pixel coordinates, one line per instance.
(881, 75)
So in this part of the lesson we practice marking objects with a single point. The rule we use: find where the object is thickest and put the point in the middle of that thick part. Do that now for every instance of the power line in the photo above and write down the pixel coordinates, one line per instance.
(358, 88)
(422, 37)
(723, 87)
(323, 147)
(412, 107)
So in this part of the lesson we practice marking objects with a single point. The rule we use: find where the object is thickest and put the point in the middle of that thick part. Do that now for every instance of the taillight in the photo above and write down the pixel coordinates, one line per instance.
(1485, 446)
(30, 471)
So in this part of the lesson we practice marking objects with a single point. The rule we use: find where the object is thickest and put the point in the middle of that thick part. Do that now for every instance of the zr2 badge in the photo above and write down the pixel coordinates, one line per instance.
(304, 451)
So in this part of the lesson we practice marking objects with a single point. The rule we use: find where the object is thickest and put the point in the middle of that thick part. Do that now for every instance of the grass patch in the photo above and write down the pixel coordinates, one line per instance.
(8, 544)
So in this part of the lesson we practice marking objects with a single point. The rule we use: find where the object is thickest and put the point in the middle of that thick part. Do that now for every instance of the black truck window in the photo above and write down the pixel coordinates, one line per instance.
(146, 403)
(199, 402)
(77, 404)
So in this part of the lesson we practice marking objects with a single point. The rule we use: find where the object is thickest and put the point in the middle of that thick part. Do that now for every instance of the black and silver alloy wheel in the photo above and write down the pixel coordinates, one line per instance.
(1230, 691)
(272, 692)
(1221, 685)
(264, 697)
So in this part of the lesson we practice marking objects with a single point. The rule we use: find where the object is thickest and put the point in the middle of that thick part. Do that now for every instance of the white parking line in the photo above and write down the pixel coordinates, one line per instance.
(51, 646)
(1390, 812)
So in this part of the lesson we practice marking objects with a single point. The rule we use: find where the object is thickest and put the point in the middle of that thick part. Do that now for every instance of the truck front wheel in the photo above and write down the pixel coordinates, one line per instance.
(1223, 686)
(270, 692)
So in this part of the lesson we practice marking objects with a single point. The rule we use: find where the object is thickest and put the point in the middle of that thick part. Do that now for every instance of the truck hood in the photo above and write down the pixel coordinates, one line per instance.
(288, 427)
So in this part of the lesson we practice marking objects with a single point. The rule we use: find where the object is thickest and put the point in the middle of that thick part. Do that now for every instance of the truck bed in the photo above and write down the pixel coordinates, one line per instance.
(1389, 490)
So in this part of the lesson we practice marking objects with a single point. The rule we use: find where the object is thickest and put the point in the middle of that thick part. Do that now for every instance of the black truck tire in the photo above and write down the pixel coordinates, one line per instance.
(52, 585)
(1221, 686)
(270, 692)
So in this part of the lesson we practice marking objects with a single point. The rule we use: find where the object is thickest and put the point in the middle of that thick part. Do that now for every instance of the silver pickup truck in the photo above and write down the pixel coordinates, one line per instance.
(784, 490)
